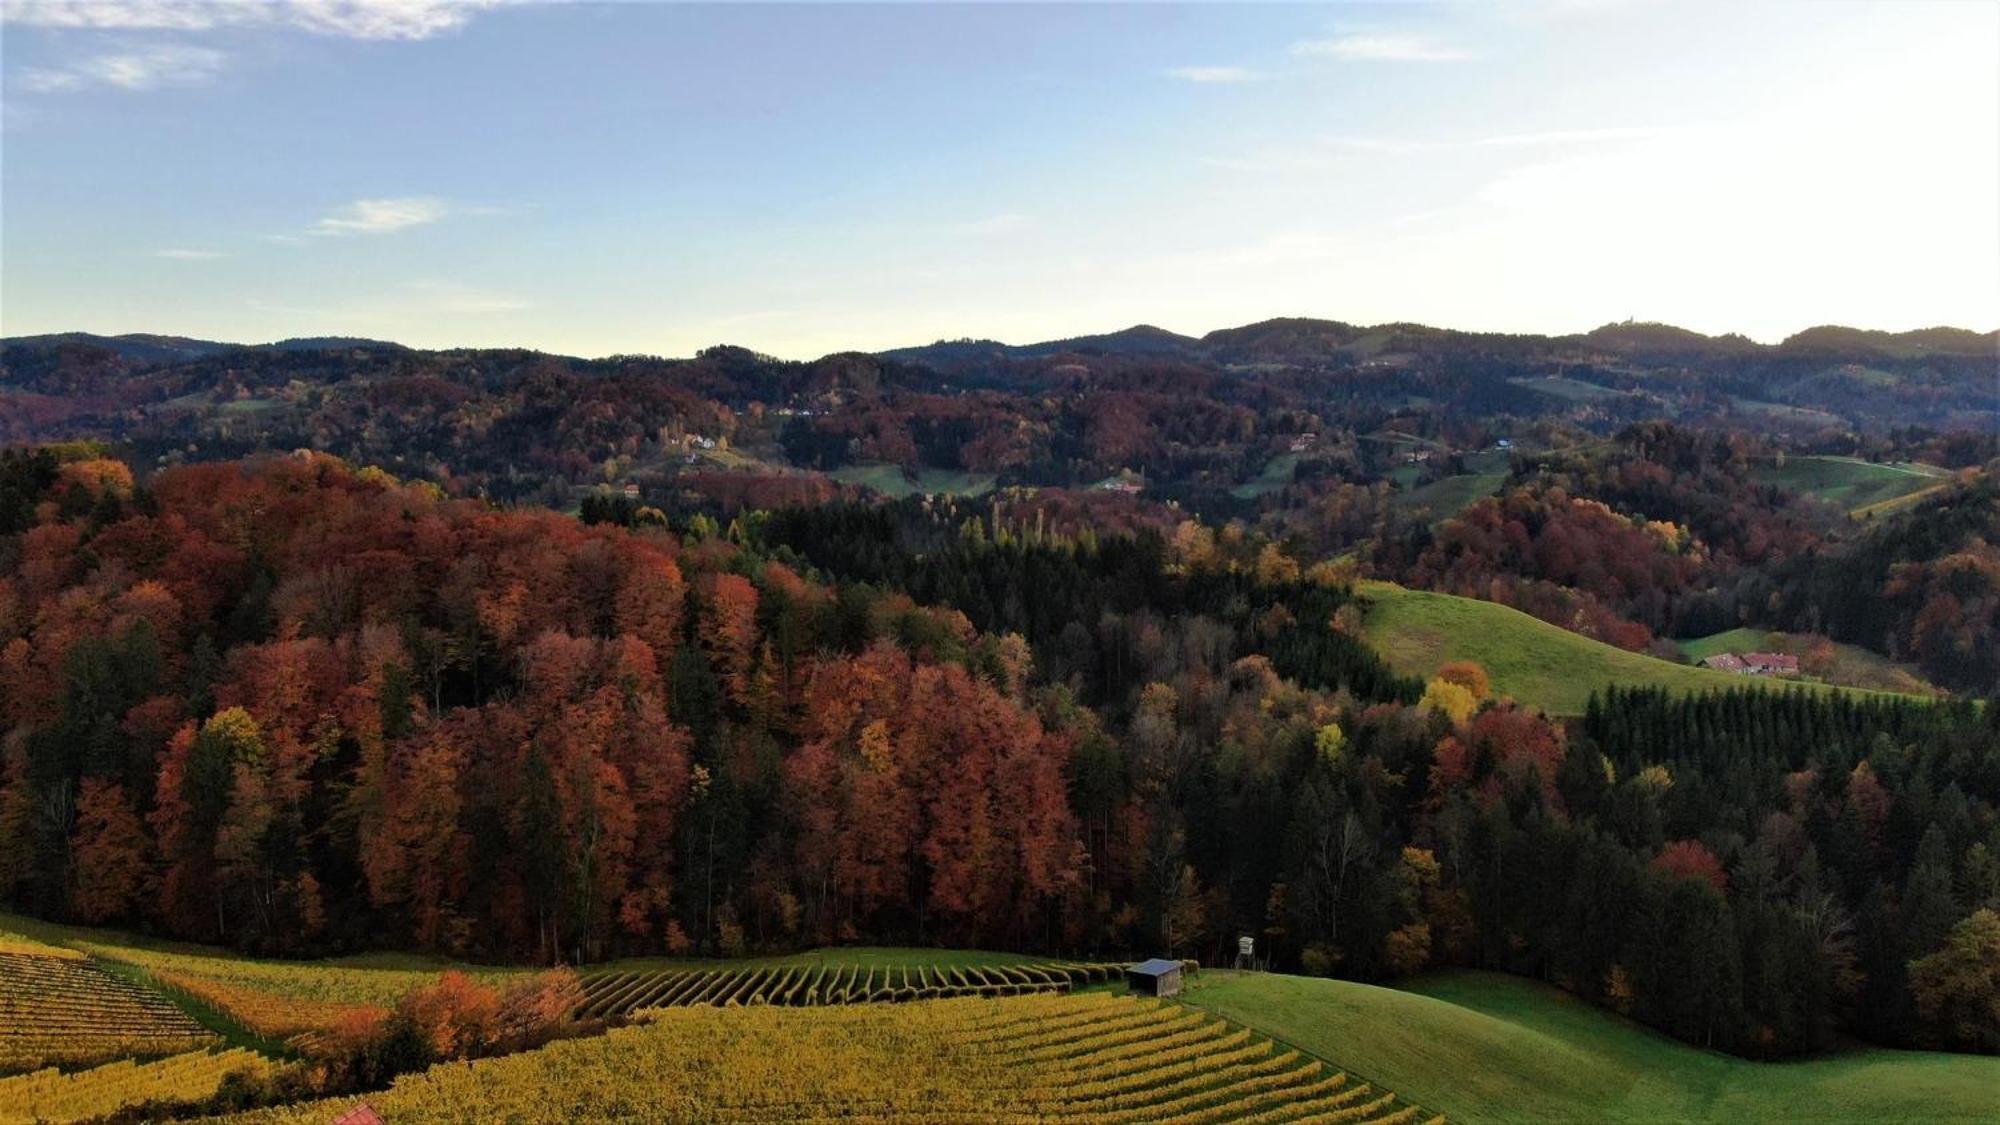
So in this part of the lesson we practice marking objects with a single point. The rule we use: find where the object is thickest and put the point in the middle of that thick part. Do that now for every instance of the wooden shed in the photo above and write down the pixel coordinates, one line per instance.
(1157, 977)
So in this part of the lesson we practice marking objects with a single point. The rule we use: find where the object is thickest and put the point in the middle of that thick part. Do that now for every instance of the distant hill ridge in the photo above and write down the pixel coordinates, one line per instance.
(1277, 339)
(1308, 338)
(146, 347)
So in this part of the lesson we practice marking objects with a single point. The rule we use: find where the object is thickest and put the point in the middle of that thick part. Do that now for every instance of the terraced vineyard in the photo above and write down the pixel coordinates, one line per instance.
(274, 999)
(60, 1009)
(618, 993)
(52, 1096)
(1065, 1058)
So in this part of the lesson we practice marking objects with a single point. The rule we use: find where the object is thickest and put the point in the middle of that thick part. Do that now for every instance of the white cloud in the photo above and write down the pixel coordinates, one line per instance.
(383, 19)
(380, 216)
(178, 254)
(138, 68)
(120, 15)
(1216, 75)
(355, 19)
(1381, 48)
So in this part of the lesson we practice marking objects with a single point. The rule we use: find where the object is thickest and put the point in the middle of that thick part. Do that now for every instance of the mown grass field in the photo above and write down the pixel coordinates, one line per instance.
(1537, 663)
(1784, 412)
(1572, 390)
(892, 481)
(1481, 1047)
(1448, 496)
(1852, 484)
(1277, 473)
(1850, 667)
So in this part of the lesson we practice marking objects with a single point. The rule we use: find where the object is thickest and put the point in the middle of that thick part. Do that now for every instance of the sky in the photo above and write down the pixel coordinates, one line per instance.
(607, 178)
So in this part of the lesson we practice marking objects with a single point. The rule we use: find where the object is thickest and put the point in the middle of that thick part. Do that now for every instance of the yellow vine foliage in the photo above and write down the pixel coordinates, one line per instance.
(1079, 1058)
(52, 1096)
(63, 1010)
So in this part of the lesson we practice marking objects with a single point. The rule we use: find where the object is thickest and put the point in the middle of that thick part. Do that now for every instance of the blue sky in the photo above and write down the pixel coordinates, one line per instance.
(602, 178)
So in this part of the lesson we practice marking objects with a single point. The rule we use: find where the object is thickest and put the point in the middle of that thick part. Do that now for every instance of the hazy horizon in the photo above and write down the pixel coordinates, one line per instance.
(753, 346)
(594, 179)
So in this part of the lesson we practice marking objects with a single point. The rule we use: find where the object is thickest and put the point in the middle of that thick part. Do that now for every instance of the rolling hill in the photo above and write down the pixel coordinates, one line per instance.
(1855, 485)
(1537, 663)
(1486, 1047)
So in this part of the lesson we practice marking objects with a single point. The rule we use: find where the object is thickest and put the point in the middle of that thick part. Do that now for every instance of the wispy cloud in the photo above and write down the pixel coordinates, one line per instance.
(1573, 136)
(138, 68)
(991, 226)
(381, 216)
(178, 254)
(1325, 152)
(1367, 47)
(1319, 153)
(354, 19)
(393, 309)
(1217, 75)
(450, 297)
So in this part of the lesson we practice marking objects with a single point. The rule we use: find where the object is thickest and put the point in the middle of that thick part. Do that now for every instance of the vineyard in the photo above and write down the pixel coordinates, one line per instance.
(276, 1000)
(51, 1096)
(64, 1010)
(618, 993)
(1090, 1057)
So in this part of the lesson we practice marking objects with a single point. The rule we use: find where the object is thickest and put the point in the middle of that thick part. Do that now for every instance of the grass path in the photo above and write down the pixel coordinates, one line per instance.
(1485, 1047)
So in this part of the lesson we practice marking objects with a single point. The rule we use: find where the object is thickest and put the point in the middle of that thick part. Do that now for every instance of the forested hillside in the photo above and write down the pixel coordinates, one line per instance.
(1638, 484)
(293, 705)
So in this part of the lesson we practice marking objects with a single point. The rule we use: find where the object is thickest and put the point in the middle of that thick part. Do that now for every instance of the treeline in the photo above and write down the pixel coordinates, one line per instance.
(1105, 616)
(302, 708)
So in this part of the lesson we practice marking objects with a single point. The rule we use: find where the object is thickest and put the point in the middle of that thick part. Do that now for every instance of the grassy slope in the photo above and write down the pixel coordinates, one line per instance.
(1573, 390)
(1277, 473)
(890, 480)
(1488, 1047)
(1448, 496)
(1850, 483)
(1533, 661)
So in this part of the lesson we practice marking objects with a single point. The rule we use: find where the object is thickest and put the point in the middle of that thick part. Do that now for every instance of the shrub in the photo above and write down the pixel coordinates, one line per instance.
(458, 1016)
(533, 1009)
(1409, 948)
(1320, 960)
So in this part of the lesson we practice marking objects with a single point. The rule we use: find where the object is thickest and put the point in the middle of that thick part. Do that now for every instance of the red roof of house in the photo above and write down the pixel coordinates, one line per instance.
(359, 1115)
